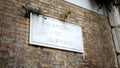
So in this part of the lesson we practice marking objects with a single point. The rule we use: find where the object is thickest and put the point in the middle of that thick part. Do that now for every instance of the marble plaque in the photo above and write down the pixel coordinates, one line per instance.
(53, 33)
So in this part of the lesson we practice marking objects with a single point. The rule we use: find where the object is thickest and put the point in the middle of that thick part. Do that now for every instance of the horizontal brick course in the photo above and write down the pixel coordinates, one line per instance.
(14, 38)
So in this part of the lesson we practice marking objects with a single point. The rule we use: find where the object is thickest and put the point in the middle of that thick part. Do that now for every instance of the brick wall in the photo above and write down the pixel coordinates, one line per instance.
(15, 51)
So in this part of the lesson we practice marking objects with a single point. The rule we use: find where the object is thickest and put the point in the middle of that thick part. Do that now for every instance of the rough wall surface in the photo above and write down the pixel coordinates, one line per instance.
(15, 52)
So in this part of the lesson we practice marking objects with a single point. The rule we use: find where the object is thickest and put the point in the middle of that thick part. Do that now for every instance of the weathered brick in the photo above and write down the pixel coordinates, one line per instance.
(14, 37)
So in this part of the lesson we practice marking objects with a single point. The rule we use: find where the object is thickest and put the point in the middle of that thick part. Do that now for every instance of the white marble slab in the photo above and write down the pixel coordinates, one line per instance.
(114, 17)
(88, 4)
(116, 37)
(53, 33)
